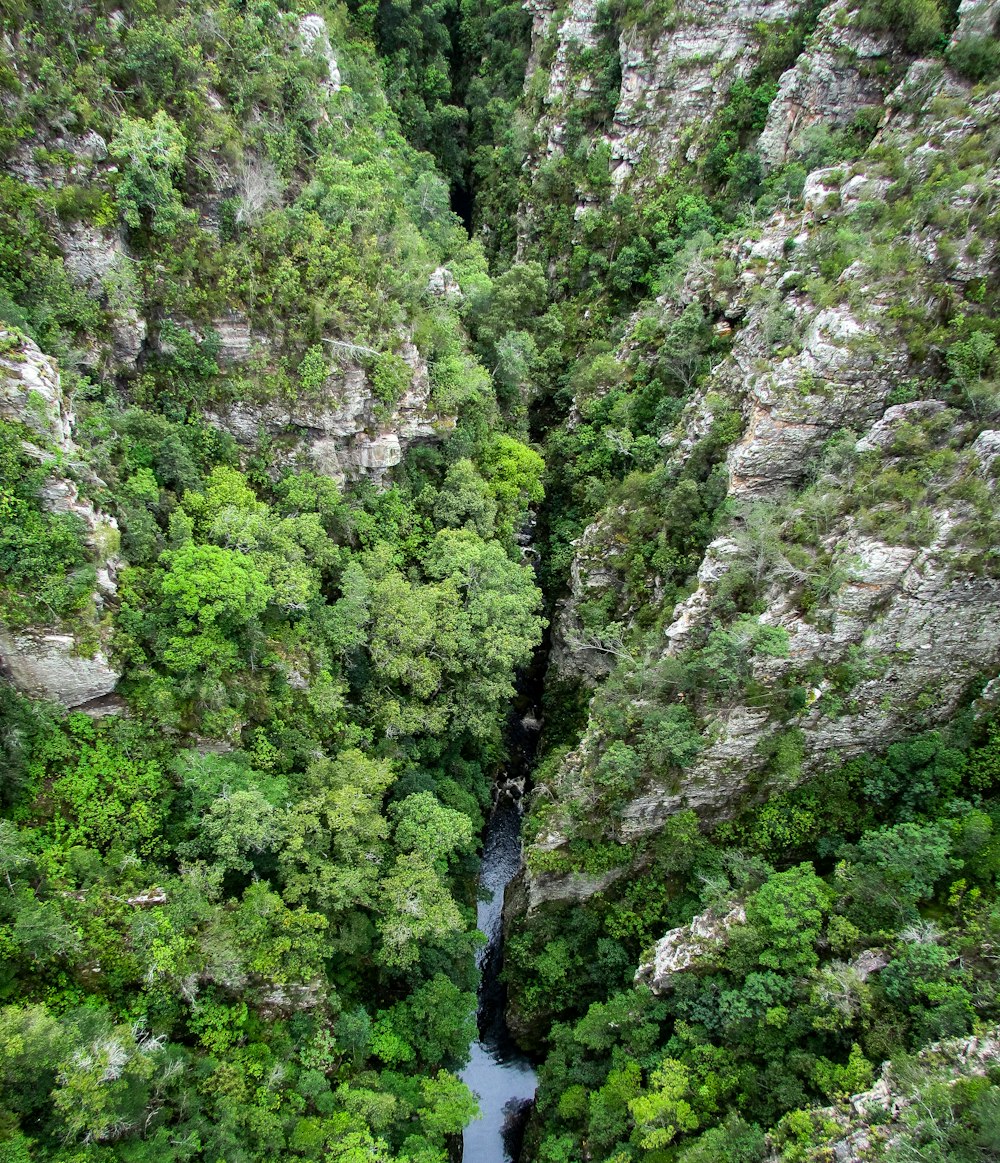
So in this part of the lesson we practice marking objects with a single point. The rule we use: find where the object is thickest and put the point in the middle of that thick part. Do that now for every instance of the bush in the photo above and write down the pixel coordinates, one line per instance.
(976, 57)
(917, 23)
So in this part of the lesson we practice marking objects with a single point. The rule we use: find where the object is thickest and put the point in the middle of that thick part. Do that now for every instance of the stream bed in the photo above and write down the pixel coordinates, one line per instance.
(499, 1074)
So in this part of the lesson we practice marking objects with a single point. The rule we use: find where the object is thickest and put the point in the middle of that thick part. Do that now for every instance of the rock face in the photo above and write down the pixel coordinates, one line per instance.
(677, 73)
(871, 1123)
(30, 391)
(531, 891)
(843, 71)
(673, 80)
(691, 946)
(47, 666)
(312, 30)
(50, 662)
(977, 18)
(910, 622)
(344, 433)
(236, 340)
(673, 85)
(575, 653)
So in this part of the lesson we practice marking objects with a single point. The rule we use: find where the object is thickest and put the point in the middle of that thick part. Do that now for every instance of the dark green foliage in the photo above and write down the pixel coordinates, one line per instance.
(976, 57)
(237, 921)
(918, 23)
(45, 568)
(773, 1019)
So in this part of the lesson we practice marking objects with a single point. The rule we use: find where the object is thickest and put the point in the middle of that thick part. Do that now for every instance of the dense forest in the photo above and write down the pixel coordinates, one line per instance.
(357, 359)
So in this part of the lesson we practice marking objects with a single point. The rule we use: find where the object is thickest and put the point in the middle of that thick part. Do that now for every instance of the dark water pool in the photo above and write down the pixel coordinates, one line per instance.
(499, 1074)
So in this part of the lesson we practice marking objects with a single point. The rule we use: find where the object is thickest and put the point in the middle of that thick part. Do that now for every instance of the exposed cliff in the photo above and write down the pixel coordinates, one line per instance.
(310, 349)
(913, 1107)
(67, 660)
(857, 520)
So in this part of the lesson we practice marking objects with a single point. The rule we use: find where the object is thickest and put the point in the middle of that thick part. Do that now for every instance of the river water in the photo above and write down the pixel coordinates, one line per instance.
(497, 1072)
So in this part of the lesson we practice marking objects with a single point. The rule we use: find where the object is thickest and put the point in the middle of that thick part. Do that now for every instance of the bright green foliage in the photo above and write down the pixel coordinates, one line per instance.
(45, 570)
(152, 152)
(237, 920)
(466, 500)
(663, 1110)
(784, 917)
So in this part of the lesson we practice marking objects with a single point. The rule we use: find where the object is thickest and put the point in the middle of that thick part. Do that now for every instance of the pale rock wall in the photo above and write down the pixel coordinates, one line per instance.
(870, 1124)
(341, 433)
(314, 36)
(91, 253)
(673, 86)
(575, 654)
(47, 666)
(30, 391)
(692, 946)
(45, 661)
(977, 18)
(843, 70)
(916, 625)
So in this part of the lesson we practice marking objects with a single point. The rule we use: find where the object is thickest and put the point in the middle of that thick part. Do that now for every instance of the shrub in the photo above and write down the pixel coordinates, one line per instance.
(976, 58)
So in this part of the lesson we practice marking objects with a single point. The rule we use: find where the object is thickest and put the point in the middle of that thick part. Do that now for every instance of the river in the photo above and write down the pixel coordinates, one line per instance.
(498, 1073)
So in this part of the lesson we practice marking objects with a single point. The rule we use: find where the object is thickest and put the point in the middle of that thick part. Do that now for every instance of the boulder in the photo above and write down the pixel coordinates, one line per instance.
(46, 665)
(692, 946)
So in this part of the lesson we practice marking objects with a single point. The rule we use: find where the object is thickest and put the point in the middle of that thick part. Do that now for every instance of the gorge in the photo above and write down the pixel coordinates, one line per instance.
(551, 447)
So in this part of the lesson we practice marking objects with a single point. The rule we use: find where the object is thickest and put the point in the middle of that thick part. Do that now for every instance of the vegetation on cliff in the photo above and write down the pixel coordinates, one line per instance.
(271, 423)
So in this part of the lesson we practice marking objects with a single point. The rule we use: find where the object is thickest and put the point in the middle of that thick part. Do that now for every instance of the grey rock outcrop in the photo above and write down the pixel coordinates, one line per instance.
(443, 284)
(343, 433)
(843, 70)
(51, 661)
(674, 85)
(912, 622)
(692, 946)
(531, 891)
(30, 391)
(91, 254)
(575, 653)
(47, 665)
(977, 18)
(868, 1125)
(236, 339)
(314, 36)
(674, 79)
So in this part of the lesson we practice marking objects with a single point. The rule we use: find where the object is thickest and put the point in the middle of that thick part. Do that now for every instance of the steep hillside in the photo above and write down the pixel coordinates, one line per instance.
(770, 241)
(341, 351)
(256, 688)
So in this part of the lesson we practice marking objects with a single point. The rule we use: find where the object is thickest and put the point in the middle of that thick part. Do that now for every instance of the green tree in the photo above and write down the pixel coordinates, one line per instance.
(152, 153)
(663, 1109)
(785, 919)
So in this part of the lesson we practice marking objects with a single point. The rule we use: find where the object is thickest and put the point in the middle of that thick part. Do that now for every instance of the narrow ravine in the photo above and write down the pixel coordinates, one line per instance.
(499, 1074)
